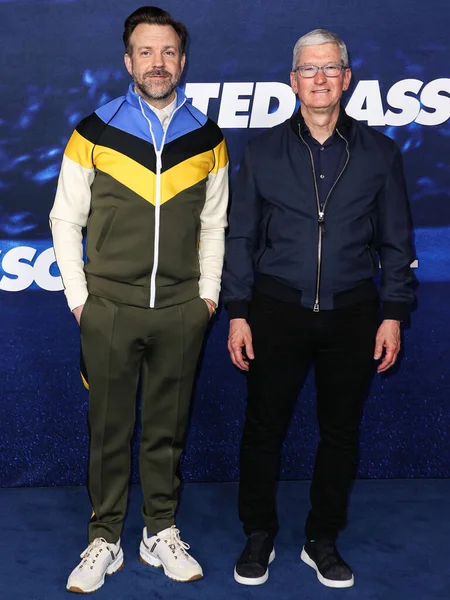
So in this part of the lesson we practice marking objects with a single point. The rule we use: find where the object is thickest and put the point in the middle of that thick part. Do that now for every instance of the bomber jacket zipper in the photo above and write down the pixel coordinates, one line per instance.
(321, 212)
(158, 154)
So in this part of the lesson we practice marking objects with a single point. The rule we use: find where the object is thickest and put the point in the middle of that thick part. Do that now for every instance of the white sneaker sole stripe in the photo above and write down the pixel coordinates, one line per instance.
(327, 582)
(255, 580)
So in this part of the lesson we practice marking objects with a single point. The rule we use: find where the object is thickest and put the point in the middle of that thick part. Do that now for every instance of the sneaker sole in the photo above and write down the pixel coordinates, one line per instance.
(114, 567)
(149, 560)
(255, 580)
(327, 582)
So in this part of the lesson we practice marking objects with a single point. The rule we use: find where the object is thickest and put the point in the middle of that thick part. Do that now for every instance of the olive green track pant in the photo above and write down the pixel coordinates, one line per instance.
(121, 343)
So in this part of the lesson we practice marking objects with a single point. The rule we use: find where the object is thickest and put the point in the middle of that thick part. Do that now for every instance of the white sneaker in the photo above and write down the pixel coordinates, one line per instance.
(167, 550)
(99, 559)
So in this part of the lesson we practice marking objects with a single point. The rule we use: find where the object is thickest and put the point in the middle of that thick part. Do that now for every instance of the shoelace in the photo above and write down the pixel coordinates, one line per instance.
(88, 554)
(175, 541)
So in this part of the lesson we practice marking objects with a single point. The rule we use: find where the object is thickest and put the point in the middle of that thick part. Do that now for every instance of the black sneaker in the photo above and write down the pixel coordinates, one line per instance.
(331, 569)
(252, 567)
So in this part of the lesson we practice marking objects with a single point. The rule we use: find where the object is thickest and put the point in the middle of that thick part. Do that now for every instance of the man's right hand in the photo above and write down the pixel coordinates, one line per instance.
(77, 313)
(239, 337)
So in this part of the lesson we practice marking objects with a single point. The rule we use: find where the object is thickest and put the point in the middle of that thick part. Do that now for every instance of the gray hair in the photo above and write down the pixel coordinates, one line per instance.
(317, 37)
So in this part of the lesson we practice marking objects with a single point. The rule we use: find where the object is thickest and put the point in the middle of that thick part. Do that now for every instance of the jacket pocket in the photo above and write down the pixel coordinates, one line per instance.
(83, 313)
(373, 256)
(205, 309)
(373, 260)
(196, 227)
(267, 243)
(372, 232)
(106, 228)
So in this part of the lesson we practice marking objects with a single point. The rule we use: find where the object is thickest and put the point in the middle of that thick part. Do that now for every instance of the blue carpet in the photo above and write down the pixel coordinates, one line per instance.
(398, 543)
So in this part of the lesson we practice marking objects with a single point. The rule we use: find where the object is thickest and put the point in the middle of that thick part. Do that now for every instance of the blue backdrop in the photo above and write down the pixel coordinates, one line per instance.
(61, 60)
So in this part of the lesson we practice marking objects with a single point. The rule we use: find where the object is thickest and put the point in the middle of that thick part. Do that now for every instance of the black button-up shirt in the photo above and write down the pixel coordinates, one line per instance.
(329, 158)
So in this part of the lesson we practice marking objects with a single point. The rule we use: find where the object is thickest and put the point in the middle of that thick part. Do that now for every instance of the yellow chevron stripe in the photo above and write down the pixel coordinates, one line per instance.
(79, 149)
(127, 172)
(185, 175)
(140, 180)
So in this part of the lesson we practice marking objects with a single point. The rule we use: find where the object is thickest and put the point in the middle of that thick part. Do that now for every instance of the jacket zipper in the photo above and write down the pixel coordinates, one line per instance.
(158, 154)
(321, 212)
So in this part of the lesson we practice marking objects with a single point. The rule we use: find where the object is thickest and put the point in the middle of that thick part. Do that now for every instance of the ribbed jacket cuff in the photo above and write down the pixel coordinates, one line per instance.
(237, 309)
(399, 311)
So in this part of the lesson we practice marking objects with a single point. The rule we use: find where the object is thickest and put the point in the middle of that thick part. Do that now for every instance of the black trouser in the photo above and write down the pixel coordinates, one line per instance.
(287, 338)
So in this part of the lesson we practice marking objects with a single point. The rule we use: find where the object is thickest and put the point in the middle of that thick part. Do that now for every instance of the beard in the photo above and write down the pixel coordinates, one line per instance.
(156, 90)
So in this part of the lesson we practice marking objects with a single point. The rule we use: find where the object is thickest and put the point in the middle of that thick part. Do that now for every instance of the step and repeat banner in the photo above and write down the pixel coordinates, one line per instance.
(63, 59)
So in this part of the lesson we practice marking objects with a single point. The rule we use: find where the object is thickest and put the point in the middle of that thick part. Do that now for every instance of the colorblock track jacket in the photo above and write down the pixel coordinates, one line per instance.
(154, 203)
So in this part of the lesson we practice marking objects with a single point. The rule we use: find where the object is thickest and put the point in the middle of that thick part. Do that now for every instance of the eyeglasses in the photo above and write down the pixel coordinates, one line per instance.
(308, 71)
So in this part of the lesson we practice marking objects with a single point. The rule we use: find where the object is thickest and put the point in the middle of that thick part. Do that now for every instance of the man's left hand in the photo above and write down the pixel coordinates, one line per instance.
(388, 339)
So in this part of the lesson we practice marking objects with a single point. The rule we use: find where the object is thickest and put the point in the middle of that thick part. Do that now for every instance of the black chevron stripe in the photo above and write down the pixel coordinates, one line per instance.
(100, 133)
(177, 151)
(195, 142)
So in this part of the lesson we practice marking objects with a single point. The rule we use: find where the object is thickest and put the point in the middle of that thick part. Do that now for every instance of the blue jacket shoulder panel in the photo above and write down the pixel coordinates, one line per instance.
(131, 114)
(196, 114)
(120, 114)
(108, 110)
(185, 120)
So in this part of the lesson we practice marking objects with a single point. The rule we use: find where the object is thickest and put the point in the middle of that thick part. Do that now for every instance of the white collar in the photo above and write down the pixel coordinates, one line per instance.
(165, 113)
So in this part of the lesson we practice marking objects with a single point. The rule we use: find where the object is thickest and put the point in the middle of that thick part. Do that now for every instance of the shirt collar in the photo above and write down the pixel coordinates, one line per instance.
(343, 123)
(166, 112)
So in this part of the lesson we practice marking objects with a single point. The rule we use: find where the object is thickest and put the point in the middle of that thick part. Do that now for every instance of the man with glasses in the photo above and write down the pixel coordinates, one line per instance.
(320, 203)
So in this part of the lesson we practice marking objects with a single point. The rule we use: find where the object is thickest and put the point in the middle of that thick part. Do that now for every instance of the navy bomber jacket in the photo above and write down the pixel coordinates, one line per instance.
(323, 256)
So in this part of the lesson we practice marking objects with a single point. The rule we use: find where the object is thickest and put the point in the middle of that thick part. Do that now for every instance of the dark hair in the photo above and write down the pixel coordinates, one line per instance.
(153, 16)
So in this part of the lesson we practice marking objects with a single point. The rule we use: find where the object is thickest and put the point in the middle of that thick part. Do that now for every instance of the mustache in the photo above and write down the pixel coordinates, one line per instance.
(157, 72)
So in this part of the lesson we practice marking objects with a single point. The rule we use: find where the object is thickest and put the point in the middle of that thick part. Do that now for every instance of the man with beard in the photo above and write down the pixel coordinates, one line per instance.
(147, 174)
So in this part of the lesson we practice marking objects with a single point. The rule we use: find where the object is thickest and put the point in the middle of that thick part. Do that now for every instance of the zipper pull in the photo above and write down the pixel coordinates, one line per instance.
(158, 162)
(322, 223)
(316, 307)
